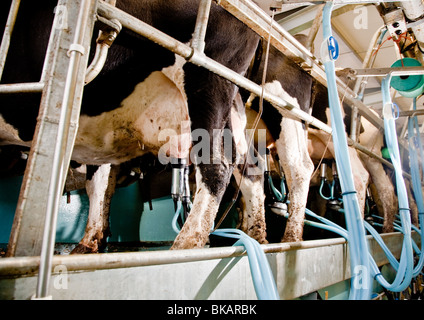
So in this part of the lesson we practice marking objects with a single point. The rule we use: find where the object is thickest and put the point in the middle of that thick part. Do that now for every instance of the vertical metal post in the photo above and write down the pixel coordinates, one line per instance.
(360, 84)
(76, 51)
(198, 41)
(5, 42)
(61, 101)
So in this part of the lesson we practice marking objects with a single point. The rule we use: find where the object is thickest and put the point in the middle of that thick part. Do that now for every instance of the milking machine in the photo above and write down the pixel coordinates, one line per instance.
(180, 192)
(370, 208)
(278, 201)
(262, 277)
(274, 199)
(334, 201)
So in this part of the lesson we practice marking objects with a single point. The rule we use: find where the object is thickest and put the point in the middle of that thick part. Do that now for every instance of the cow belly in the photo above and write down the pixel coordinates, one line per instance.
(10, 135)
(156, 105)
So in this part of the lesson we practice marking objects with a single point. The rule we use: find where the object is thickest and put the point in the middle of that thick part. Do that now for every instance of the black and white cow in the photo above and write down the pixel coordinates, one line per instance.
(152, 95)
(122, 112)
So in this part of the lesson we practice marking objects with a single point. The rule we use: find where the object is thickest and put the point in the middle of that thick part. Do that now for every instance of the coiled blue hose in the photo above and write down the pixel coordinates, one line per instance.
(406, 265)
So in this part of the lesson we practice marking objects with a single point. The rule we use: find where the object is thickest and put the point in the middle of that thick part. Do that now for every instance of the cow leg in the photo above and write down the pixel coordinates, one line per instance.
(292, 149)
(251, 187)
(412, 204)
(360, 178)
(213, 173)
(387, 202)
(211, 181)
(100, 187)
(249, 176)
(385, 191)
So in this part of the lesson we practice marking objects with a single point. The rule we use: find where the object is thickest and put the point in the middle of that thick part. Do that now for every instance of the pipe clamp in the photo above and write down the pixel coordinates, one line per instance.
(76, 47)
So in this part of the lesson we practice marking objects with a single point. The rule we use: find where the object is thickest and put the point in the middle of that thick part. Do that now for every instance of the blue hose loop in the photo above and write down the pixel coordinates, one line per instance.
(263, 280)
(177, 213)
(406, 265)
(331, 186)
(276, 192)
(283, 188)
(358, 246)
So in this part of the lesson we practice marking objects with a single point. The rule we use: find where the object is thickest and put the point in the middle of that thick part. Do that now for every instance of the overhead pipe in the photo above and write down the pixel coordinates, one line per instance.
(360, 84)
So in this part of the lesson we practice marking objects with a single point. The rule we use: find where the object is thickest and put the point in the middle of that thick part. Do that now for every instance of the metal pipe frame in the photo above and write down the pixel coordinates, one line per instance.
(282, 40)
(279, 40)
(21, 87)
(76, 51)
(198, 41)
(382, 72)
(201, 60)
(7, 34)
(17, 266)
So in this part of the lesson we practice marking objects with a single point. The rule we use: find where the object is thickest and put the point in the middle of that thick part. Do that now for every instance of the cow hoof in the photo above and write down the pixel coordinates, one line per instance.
(83, 249)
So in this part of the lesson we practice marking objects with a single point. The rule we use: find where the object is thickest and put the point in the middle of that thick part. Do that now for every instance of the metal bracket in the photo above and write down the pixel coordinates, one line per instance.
(109, 30)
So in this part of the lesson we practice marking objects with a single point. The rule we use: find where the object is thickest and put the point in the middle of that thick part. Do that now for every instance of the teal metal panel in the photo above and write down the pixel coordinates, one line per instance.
(156, 225)
(131, 220)
(9, 194)
(72, 217)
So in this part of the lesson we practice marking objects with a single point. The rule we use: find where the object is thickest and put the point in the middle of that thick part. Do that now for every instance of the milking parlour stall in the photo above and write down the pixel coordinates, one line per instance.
(224, 151)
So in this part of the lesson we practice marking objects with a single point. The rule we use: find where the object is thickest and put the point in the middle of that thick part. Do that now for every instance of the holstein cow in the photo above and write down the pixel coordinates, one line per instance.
(122, 113)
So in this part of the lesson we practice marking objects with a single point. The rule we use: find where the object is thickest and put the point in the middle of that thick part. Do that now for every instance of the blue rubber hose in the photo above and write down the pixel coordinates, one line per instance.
(405, 270)
(263, 280)
(415, 146)
(177, 213)
(358, 247)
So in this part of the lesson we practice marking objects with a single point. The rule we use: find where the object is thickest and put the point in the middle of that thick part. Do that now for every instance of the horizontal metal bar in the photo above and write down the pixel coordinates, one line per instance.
(200, 59)
(334, 1)
(26, 266)
(411, 113)
(21, 87)
(382, 72)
